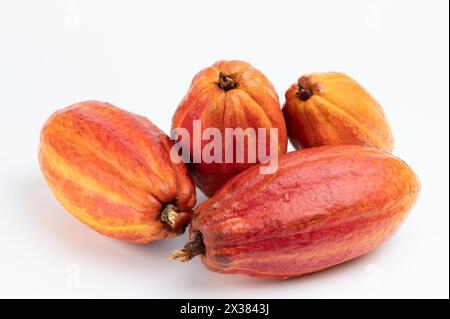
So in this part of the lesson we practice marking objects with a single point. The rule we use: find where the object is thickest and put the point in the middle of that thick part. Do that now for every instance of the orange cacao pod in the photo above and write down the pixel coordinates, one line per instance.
(229, 94)
(111, 169)
(324, 206)
(333, 109)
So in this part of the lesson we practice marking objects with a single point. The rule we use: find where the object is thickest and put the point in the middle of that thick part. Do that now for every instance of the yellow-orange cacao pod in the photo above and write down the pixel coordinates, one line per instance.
(333, 109)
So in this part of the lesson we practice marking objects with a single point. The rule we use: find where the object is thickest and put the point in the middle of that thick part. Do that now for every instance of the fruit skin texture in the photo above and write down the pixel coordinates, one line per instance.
(229, 94)
(326, 205)
(333, 109)
(111, 170)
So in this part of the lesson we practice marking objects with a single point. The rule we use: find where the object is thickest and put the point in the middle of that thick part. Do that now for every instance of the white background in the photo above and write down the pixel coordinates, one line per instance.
(142, 55)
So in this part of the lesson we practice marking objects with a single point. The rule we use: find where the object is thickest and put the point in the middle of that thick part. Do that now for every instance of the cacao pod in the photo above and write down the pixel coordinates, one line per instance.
(333, 109)
(324, 206)
(229, 94)
(111, 169)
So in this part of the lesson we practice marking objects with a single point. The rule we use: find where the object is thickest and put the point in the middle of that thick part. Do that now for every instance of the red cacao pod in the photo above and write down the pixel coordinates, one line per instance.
(333, 109)
(111, 169)
(324, 206)
(229, 94)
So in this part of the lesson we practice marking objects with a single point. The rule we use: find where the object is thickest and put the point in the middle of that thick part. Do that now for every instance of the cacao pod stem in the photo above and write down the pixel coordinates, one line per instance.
(227, 82)
(193, 248)
(169, 215)
(304, 93)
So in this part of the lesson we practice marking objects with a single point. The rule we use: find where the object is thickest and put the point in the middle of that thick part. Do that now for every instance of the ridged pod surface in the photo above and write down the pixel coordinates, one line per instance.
(324, 206)
(111, 169)
(229, 94)
(333, 109)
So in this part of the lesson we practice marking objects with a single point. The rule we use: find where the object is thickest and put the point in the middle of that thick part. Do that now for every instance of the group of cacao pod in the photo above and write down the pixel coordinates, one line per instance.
(338, 196)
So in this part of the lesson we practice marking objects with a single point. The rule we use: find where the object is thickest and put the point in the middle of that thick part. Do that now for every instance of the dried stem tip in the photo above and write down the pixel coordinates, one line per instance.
(227, 82)
(193, 248)
(169, 215)
(304, 93)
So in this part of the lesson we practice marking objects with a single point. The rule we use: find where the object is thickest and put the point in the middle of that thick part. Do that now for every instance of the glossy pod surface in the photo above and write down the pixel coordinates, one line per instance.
(111, 169)
(324, 206)
(229, 95)
(333, 109)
